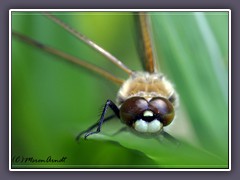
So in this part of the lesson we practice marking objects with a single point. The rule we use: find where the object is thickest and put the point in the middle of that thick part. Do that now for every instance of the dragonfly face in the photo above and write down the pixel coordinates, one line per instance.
(145, 102)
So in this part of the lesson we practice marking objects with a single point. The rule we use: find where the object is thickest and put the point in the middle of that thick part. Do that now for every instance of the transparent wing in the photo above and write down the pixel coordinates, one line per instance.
(67, 57)
(144, 41)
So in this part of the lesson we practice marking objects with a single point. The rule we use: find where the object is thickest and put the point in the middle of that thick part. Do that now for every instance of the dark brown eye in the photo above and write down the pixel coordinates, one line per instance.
(132, 108)
(163, 108)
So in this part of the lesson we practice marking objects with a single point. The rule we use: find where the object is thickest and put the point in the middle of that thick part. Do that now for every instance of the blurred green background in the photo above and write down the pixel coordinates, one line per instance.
(53, 100)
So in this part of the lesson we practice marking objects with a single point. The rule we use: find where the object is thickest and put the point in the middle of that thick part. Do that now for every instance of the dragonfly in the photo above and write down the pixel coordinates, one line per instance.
(145, 103)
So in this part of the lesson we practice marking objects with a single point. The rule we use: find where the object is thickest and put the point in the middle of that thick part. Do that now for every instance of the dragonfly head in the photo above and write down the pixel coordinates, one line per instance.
(147, 116)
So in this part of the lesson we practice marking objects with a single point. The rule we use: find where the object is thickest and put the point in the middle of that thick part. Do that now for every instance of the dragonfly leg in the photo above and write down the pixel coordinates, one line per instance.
(108, 104)
(123, 129)
(94, 126)
(170, 138)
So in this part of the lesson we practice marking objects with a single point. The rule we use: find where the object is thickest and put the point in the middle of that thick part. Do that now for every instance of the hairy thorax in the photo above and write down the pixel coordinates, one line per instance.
(147, 86)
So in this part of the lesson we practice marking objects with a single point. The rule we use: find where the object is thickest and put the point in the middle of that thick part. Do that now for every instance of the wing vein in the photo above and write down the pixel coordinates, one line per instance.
(67, 57)
(86, 40)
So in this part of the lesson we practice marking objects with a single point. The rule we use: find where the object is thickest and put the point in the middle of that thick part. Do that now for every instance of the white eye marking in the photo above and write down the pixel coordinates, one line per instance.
(151, 127)
(148, 113)
(154, 126)
(141, 126)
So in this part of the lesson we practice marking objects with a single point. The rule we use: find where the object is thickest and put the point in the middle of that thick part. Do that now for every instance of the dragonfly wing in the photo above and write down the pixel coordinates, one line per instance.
(144, 41)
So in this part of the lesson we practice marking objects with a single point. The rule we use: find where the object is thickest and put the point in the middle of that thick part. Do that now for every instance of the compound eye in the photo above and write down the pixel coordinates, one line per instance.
(131, 108)
(164, 109)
